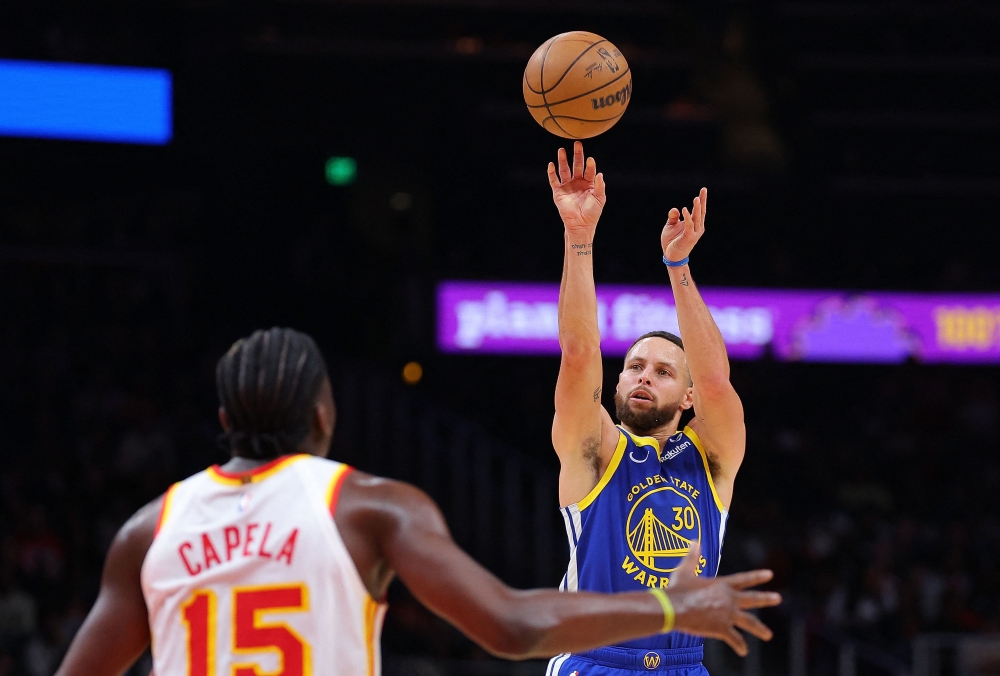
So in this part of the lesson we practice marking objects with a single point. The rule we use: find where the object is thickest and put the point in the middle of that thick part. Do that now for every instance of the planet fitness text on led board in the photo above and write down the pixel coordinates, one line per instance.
(820, 326)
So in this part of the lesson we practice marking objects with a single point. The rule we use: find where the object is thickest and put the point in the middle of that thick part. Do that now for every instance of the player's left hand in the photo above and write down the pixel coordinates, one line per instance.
(717, 607)
(680, 235)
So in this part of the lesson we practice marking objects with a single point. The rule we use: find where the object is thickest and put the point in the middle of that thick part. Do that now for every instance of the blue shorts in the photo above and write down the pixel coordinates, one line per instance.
(628, 661)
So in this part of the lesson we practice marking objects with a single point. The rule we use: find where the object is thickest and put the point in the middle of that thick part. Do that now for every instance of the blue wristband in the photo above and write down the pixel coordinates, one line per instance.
(676, 264)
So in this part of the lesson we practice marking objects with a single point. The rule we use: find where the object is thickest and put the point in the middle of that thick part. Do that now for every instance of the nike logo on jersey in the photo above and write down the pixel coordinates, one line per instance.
(635, 459)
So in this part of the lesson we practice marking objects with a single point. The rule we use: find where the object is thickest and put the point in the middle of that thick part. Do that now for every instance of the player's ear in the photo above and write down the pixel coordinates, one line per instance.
(688, 400)
(224, 420)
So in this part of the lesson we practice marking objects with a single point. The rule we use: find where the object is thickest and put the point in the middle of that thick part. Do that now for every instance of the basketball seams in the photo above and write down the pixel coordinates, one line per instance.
(574, 98)
(584, 119)
(565, 134)
(597, 89)
(572, 48)
(570, 66)
(541, 83)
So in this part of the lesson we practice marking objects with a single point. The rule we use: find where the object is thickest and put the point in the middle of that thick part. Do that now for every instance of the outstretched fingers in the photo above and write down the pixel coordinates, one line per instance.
(688, 219)
(757, 599)
(689, 564)
(599, 189)
(750, 624)
(750, 578)
(578, 160)
(735, 641)
(564, 174)
(553, 178)
(590, 170)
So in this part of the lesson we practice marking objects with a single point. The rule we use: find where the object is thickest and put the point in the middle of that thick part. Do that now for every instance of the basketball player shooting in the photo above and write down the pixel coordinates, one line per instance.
(272, 563)
(637, 498)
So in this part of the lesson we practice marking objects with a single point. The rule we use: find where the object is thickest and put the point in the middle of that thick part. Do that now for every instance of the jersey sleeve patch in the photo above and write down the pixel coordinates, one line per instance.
(708, 470)
(608, 473)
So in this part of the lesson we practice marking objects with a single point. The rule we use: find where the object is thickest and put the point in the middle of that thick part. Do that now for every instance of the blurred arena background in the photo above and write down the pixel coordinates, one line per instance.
(848, 145)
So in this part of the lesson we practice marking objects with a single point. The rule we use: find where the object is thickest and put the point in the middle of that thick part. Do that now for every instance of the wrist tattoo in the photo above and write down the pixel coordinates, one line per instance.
(684, 280)
(597, 394)
(585, 249)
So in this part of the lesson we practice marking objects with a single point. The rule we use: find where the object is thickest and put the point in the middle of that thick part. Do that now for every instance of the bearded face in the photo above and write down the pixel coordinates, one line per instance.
(640, 417)
(653, 387)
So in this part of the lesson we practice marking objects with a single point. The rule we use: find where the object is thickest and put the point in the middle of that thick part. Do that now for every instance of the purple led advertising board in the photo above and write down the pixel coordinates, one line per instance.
(822, 326)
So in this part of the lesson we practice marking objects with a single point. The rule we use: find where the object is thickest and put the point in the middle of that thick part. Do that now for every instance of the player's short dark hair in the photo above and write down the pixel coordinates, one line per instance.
(666, 335)
(267, 383)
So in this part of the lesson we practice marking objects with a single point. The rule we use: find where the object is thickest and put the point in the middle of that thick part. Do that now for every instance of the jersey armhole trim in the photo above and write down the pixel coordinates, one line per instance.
(708, 470)
(165, 505)
(336, 483)
(371, 617)
(608, 473)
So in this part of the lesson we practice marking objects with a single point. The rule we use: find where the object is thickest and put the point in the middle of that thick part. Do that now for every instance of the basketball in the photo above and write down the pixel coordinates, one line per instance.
(577, 85)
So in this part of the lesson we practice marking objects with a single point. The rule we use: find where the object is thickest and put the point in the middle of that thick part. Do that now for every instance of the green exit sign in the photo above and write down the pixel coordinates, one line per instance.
(341, 170)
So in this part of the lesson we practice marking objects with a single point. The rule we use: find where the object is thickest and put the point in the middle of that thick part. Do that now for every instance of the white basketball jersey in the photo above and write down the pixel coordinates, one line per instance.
(248, 576)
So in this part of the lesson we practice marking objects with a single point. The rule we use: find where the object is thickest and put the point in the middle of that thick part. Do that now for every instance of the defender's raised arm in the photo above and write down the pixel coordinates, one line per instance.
(579, 196)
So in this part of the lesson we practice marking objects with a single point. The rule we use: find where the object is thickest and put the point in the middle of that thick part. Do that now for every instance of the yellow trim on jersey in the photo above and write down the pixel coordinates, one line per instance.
(168, 501)
(334, 480)
(225, 480)
(254, 476)
(370, 613)
(708, 470)
(608, 473)
(645, 441)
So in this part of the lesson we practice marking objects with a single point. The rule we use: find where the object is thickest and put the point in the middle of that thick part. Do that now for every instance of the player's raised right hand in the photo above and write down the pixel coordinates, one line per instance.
(578, 193)
(716, 607)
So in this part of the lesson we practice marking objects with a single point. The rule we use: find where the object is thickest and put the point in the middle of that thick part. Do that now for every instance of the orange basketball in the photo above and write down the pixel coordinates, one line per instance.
(577, 85)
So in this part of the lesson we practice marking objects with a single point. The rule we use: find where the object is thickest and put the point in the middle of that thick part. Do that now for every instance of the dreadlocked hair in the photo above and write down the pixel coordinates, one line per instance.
(267, 384)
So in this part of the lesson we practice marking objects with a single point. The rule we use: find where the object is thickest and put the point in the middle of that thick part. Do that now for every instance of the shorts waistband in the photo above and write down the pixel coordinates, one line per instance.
(639, 659)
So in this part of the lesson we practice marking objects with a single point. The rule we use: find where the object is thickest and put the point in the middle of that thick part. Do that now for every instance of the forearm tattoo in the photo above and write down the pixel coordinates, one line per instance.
(597, 394)
(583, 249)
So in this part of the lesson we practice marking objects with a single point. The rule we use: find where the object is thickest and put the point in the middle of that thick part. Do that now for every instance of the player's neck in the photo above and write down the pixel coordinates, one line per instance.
(660, 433)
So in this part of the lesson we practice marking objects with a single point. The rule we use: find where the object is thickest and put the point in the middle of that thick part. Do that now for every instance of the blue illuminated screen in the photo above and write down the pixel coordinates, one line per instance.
(85, 102)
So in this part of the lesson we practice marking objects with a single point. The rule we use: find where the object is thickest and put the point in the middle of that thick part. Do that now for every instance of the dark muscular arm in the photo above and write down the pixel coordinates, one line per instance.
(116, 631)
(389, 521)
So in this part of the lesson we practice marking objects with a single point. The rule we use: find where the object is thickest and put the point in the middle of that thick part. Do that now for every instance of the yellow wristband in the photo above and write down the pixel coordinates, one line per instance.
(668, 609)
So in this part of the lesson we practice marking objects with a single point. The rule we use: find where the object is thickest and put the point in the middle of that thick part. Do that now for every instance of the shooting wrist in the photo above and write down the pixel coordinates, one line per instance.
(579, 243)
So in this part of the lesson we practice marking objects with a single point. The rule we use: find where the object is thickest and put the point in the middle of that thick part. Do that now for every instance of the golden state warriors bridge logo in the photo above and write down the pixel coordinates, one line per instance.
(660, 528)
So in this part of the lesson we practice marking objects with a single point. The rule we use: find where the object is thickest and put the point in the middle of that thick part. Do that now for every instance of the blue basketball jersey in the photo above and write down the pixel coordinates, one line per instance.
(635, 526)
